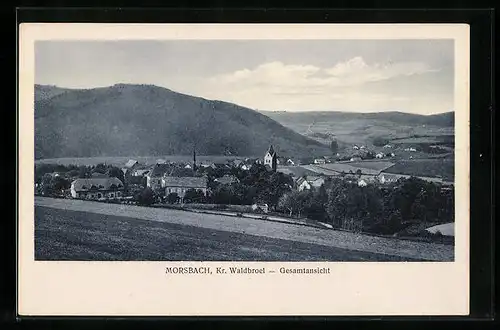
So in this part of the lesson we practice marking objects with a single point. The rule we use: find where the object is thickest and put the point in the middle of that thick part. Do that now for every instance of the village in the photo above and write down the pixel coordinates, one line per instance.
(273, 185)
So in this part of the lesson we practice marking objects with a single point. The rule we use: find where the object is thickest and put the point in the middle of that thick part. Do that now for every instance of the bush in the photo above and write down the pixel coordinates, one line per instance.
(146, 197)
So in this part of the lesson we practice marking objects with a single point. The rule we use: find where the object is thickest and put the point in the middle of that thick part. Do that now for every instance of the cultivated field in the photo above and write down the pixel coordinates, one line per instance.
(83, 230)
(438, 167)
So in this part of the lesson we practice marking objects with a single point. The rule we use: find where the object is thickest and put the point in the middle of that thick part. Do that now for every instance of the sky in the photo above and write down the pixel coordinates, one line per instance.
(415, 76)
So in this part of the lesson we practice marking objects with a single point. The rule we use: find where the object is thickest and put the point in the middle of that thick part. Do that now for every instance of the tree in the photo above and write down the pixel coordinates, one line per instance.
(146, 197)
(115, 172)
(334, 146)
(84, 172)
(288, 202)
(173, 198)
(100, 168)
(194, 196)
(293, 202)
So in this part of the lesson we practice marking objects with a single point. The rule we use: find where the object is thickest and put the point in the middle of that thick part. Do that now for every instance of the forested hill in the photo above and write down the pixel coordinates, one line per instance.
(146, 120)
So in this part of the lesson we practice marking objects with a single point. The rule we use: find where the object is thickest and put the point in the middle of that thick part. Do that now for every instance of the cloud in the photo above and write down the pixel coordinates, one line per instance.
(347, 85)
(349, 73)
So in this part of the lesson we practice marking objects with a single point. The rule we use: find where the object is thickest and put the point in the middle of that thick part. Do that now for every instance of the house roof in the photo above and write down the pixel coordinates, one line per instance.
(185, 182)
(159, 170)
(96, 183)
(227, 179)
(131, 163)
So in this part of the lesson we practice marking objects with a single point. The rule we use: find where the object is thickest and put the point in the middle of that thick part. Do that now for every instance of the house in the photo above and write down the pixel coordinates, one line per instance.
(154, 177)
(140, 172)
(260, 207)
(320, 161)
(237, 162)
(179, 185)
(132, 163)
(362, 183)
(379, 155)
(271, 158)
(161, 161)
(97, 188)
(246, 167)
(387, 146)
(355, 159)
(129, 166)
(290, 162)
(309, 182)
(362, 147)
(355, 147)
(227, 179)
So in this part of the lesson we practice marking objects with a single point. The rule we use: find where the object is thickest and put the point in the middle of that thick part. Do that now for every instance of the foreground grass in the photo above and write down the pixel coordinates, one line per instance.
(74, 235)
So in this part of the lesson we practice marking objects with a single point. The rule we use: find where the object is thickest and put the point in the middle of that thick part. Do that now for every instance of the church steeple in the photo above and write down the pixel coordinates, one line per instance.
(271, 158)
(271, 150)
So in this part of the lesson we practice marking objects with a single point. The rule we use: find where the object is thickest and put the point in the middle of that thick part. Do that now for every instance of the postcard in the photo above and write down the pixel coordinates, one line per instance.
(243, 169)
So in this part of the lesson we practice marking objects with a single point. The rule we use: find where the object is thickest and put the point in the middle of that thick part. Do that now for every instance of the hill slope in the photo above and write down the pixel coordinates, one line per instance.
(348, 127)
(126, 120)
(44, 92)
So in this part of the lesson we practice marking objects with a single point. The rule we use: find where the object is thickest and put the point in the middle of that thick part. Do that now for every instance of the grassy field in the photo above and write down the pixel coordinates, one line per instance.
(438, 167)
(73, 235)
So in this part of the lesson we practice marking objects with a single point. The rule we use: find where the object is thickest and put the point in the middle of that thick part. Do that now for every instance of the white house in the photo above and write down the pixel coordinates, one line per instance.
(179, 185)
(362, 183)
(263, 207)
(154, 177)
(309, 182)
(355, 147)
(320, 161)
(379, 155)
(97, 188)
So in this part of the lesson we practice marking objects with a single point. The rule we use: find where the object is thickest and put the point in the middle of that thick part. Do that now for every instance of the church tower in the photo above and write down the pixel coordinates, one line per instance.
(271, 158)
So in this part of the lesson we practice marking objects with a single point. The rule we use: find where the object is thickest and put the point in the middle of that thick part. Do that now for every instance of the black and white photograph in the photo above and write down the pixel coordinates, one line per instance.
(244, 150)
(267, 165)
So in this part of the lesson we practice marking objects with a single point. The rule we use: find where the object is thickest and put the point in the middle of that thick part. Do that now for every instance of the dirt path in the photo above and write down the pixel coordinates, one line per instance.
(330, 238)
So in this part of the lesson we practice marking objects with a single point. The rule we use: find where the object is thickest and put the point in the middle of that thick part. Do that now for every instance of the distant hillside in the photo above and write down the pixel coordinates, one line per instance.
(43, 92)
(146, 120)
(348, 127)
(442, 119)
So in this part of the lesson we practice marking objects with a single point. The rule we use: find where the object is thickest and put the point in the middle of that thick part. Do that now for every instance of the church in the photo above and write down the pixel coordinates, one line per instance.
(271, 158)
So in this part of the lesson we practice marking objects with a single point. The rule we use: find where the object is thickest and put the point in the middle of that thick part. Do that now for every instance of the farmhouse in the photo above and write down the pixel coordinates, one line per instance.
(154, 177)
(180, 185)
(97, 188)
(309, 182)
